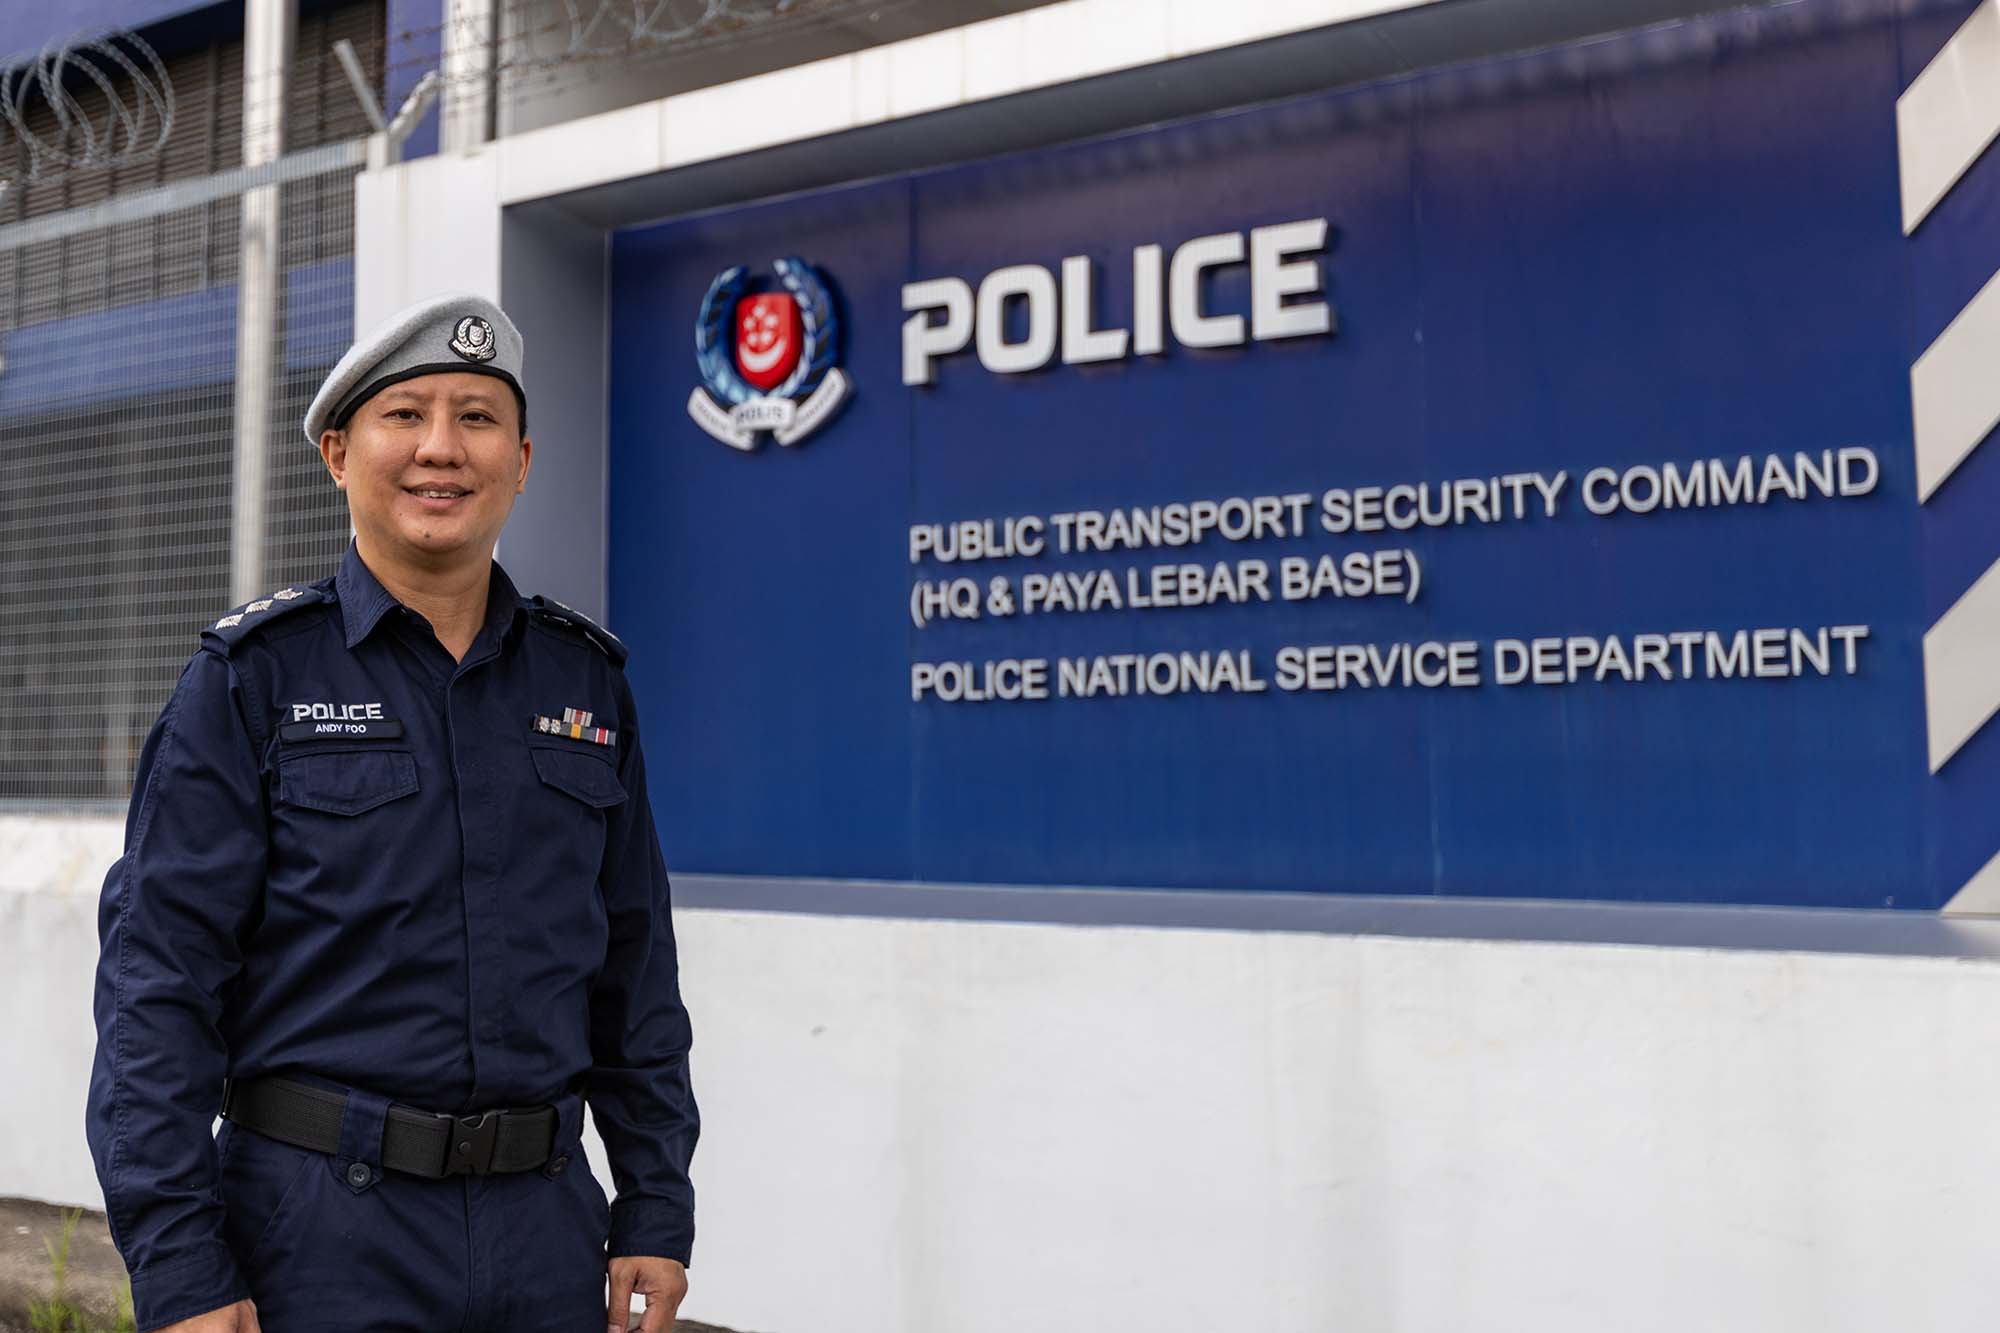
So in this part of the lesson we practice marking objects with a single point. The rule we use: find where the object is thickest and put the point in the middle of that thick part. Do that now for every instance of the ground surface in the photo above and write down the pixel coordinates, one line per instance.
(96, 1274)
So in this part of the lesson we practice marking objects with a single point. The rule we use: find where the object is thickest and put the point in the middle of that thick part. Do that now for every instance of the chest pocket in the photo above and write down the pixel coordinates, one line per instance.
(578, 774)
(346, 782)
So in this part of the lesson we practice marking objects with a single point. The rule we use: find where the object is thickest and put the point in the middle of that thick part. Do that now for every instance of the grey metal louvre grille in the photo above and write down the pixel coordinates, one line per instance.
(115, 493)
(306, 524)
(117, 368)
(117, 523)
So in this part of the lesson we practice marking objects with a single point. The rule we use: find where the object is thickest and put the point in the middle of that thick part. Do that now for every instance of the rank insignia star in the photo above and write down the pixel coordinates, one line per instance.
(286, 594)
(230, 622)
(575, 723)
(263, 605)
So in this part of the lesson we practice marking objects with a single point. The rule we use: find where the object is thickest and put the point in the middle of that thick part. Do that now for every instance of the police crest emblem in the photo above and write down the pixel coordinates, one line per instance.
(473, 339)
(769, 358)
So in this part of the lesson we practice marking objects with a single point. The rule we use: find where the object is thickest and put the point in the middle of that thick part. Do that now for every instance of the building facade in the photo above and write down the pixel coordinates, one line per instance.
(1310, 663)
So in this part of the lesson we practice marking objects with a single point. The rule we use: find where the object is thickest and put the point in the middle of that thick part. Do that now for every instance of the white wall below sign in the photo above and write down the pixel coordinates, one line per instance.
(922, 1127)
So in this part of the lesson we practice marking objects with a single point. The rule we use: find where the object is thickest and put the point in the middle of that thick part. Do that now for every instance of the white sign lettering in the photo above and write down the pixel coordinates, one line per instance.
(945, 316)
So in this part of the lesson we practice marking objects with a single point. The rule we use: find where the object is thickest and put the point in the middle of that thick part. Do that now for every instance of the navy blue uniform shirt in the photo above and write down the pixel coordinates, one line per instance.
(351, 857)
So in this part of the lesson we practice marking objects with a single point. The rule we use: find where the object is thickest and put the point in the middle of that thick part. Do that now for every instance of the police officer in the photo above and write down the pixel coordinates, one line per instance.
(392, 903)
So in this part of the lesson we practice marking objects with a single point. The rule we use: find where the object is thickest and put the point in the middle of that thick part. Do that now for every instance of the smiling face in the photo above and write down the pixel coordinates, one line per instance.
(431, 467)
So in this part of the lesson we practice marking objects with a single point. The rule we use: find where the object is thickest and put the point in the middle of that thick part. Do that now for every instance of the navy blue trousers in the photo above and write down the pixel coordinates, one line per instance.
(521, 1252)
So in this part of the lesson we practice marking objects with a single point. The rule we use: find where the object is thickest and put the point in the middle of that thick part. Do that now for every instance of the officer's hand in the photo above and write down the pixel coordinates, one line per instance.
(238, 1318)
(664, 1284)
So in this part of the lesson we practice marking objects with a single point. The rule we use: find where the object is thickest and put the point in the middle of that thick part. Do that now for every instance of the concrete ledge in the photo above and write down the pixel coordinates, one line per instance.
(66, 856)
(1762, 929)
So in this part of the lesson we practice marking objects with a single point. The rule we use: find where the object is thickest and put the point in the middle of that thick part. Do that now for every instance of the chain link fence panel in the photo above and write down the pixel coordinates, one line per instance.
(117, 367)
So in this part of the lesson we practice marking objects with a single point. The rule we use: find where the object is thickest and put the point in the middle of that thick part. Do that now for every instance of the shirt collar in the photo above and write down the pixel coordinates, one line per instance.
(364, 601)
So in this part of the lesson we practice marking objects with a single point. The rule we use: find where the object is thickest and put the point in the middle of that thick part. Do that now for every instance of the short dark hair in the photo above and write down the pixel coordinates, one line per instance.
(345, 412)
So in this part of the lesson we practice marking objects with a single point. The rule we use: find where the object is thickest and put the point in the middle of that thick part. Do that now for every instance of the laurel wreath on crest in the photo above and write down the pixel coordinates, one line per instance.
(821, 324)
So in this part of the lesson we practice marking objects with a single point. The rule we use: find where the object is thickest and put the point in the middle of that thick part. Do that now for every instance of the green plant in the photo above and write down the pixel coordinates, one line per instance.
(58, 1313)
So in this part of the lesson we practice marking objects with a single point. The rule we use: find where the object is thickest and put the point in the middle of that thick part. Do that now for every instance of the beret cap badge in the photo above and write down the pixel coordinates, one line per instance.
(412, 343)
(473, 339)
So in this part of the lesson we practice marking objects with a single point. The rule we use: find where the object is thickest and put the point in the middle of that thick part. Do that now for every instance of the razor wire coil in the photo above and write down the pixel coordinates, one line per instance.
(610, 26)
(132, 122)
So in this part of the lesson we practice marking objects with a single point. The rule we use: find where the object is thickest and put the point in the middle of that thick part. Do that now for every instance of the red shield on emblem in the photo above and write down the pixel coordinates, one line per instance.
(769, 336)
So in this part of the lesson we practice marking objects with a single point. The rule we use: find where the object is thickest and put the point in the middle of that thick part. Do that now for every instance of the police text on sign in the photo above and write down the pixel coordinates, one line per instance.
(946, 315)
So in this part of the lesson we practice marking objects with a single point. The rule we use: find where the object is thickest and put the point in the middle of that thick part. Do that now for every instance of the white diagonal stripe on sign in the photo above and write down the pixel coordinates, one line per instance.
(1945, 119)
(1955, 389)
(1981, 894)
(1962, 667)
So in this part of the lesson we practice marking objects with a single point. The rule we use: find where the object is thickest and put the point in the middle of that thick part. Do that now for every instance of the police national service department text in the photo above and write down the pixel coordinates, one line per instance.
(1767, 653)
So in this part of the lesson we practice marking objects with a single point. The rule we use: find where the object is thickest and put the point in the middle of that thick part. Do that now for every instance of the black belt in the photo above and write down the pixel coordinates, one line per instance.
(421, 1143)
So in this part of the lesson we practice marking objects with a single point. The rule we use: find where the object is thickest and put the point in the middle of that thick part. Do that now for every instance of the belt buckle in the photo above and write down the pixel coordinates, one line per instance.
(469, 1149)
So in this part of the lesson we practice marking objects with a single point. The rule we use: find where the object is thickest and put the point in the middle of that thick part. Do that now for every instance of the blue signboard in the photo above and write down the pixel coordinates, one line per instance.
(1497, 483)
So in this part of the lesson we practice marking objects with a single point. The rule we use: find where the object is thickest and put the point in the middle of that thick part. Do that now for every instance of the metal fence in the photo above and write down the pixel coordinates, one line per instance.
(119, 246)
(117, 361)
(121, 200)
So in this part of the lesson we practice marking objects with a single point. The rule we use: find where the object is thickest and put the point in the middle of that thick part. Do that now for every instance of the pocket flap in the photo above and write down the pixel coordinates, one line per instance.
(584, 776)
(346, 782)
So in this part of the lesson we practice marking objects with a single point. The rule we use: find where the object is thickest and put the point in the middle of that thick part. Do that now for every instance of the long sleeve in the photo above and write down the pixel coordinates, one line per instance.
(170, 922)
(638, 1090)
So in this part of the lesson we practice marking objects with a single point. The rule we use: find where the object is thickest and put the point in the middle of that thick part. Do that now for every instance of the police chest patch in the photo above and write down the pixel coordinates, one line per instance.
(368, 729)
(363, 720)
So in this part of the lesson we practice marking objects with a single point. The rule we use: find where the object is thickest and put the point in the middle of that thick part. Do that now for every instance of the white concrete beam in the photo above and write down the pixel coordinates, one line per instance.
(1054, 44)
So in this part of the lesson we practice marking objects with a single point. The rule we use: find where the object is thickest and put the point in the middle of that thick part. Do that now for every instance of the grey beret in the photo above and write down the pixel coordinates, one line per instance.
(454, 332)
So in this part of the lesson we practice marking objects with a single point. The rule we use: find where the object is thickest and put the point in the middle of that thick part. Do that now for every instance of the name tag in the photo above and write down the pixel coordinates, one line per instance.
(374, 728)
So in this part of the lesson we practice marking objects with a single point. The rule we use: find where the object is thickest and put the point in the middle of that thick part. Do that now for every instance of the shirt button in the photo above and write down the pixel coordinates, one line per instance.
(556, 1165)
(358, 1174)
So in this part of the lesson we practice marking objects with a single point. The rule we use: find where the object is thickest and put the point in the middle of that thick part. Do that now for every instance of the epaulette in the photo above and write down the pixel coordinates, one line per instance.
(234, 627)
(548, 608)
